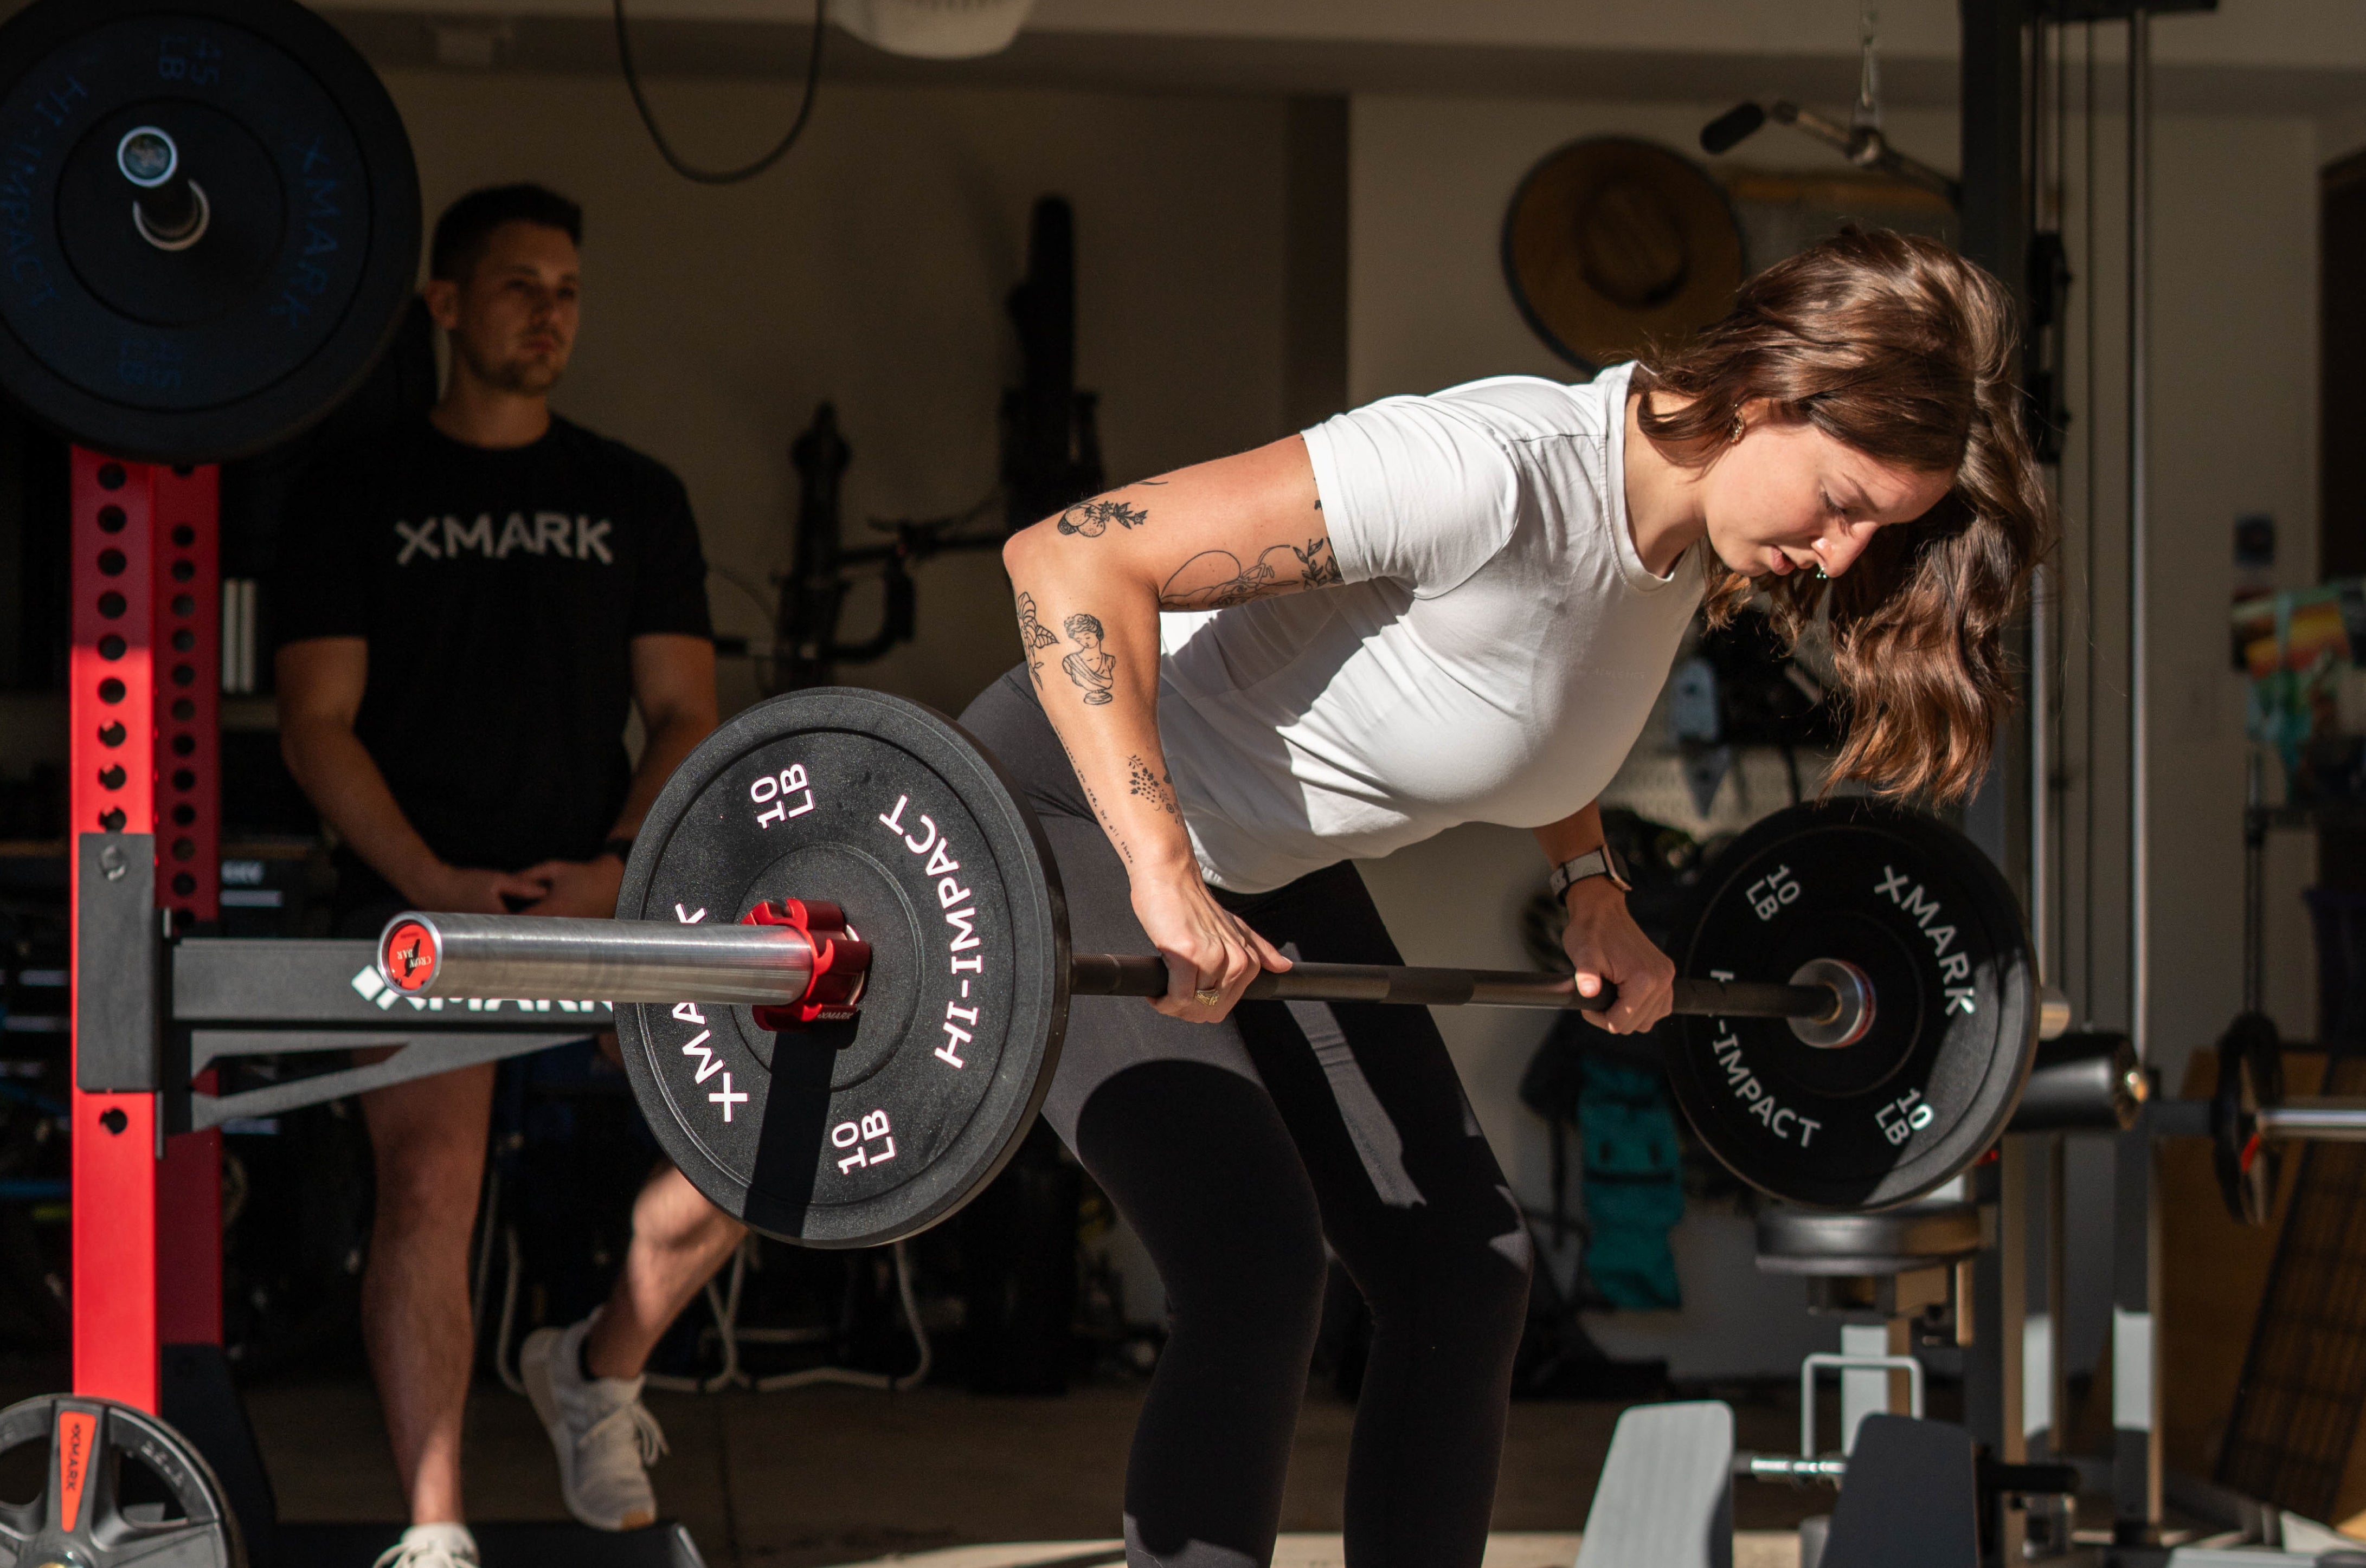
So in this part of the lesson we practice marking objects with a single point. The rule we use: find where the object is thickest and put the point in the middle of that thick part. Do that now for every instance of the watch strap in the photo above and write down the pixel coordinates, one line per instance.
(1599, 862)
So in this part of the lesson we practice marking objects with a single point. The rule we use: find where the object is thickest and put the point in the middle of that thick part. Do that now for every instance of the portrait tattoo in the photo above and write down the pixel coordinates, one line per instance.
(1151, 786)
(1090, 667)
(1033, 635)
(1215, 579)
(1091, 519)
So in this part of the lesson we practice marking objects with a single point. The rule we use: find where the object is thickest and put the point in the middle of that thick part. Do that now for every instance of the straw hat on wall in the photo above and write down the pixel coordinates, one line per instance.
(1612, 242)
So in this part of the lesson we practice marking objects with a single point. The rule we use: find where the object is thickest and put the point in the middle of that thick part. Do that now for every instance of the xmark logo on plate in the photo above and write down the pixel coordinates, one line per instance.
(1955, 967)
(952, 897)
(77, 1430)
(574, 538)
(371, 986)
(709, 1064)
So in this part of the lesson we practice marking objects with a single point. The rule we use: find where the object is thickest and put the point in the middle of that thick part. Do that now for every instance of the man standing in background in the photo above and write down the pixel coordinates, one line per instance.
(468, 607)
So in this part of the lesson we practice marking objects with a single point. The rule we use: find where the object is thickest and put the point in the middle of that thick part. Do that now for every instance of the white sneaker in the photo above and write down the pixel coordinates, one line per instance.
(605, 1437)
(431, 1546)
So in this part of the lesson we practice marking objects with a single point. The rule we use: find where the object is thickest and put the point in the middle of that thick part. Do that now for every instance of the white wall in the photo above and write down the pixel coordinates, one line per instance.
(870, 269)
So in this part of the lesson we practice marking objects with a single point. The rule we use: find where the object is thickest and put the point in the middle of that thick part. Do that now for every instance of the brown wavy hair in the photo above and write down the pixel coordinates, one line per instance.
(1900, 348)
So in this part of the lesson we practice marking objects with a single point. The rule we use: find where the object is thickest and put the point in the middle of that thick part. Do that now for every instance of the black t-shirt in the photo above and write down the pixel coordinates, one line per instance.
(500, 591)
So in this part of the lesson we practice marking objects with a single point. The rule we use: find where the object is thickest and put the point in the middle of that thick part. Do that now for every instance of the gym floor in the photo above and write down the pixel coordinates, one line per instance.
(830, 1475)
(827, 1476)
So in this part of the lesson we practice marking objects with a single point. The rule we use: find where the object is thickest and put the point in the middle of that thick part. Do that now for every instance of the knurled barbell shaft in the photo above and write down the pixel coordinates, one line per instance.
(663, 961)
(1103, 974)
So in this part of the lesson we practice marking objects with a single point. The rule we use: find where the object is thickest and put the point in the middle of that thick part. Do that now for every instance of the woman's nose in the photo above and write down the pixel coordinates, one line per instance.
(1840, 547)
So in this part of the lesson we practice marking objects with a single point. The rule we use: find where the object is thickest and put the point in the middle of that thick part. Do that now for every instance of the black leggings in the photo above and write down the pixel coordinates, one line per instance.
(1236, 1150)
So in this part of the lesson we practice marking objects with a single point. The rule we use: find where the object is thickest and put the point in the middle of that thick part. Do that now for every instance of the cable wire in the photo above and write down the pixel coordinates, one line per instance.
(665, 149)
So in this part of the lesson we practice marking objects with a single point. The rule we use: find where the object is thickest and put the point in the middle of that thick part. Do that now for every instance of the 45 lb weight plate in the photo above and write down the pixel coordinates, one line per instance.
(857, 1133)
(1932, 1079)
(210, 218)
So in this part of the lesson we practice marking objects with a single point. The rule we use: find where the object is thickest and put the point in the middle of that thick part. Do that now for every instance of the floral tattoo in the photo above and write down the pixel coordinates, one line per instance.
(1091, 519)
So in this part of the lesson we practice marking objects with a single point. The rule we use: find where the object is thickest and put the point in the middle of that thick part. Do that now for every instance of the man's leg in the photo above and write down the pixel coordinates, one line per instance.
(429, 1138)
(585, 1380)
(679, 1240)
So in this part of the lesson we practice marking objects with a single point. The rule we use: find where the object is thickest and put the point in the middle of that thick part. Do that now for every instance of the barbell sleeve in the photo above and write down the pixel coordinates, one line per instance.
(604, 960)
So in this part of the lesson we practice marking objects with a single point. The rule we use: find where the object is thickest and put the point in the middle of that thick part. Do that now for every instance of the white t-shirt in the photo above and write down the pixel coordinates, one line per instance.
(1492, 650)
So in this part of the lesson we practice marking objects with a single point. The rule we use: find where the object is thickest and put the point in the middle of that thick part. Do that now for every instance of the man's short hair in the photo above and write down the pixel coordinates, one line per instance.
(466, 227)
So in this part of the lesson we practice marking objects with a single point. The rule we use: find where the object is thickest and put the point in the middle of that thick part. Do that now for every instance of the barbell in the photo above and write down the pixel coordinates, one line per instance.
(843, 977)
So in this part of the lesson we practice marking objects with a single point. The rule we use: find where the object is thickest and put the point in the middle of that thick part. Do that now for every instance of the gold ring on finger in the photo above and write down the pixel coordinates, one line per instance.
(1208, 998)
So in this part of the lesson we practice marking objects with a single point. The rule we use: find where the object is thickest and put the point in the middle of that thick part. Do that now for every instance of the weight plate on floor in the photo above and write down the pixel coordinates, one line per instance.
(279, 306)
(120, 1487)
(1924, 1094)
(857, 1134)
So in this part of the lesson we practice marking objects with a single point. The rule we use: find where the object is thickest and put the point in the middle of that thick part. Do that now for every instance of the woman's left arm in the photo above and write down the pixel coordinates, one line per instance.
(1602, 939)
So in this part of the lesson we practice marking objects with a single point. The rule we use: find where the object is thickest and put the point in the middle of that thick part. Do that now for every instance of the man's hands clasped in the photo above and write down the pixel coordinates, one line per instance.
(582, 888)
(1608, 947)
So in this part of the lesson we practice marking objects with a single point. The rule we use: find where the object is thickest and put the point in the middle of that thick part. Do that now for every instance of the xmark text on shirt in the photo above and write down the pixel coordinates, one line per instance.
(574, 538)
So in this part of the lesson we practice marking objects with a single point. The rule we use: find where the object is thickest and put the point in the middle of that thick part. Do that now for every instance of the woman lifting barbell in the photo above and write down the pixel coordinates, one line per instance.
(1428, 611)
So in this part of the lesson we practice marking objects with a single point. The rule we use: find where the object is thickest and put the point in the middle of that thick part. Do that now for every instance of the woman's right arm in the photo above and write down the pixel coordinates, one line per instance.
(1090, 585)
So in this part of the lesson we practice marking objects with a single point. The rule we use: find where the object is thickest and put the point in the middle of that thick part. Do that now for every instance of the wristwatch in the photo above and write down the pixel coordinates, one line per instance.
(1602, 862)
(622, 849)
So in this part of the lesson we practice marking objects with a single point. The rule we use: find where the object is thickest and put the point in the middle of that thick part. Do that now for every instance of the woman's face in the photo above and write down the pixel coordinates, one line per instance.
(1788, 497)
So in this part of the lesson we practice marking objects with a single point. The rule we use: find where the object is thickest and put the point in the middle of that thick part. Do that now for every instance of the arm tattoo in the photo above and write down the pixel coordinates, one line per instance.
(1091, 519)
(1109, 823)
(1317, 567)
(1215, 579)
(1033, 635)
(1151, 784)
(1091, 667)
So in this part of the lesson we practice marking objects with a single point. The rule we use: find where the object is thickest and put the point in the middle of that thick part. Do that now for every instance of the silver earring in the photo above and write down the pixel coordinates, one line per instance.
(1737, 425)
